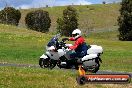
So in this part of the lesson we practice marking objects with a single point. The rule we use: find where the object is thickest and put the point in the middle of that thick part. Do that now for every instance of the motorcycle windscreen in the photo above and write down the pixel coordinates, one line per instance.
(52, 42)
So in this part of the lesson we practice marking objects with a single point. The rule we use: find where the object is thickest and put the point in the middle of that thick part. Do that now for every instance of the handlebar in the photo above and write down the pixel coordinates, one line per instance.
(64, 39)
(63, 44)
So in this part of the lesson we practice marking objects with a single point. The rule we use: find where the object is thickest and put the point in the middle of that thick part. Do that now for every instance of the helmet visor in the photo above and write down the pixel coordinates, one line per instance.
(74, 35)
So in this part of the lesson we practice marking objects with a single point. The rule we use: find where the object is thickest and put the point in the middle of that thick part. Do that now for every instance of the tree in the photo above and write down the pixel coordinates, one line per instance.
(38, 20)
(68, 22)
(103, 2)
(125, 21)
(10, 15)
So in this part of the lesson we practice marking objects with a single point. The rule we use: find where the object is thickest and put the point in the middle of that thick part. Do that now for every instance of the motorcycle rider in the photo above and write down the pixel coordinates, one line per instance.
(79, 46)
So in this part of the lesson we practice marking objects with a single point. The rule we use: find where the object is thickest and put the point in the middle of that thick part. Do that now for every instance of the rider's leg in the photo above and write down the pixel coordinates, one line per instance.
(73, 55)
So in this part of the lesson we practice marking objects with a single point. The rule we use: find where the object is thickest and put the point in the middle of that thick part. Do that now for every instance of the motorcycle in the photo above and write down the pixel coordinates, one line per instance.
(58, 53)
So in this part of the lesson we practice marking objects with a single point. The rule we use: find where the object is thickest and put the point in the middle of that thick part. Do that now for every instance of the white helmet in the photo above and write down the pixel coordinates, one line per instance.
(76, 33)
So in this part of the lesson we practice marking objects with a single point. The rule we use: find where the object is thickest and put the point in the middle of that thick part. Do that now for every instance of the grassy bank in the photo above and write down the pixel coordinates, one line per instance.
(117, 54)
(90, 16)
(21, 45)
(13, 77)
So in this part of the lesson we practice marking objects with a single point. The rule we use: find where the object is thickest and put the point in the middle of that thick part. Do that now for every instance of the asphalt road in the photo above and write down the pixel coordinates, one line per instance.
(37, 66)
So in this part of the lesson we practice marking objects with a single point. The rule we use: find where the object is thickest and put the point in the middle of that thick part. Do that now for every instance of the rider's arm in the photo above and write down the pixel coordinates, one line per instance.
(74, 46)
(77, 43)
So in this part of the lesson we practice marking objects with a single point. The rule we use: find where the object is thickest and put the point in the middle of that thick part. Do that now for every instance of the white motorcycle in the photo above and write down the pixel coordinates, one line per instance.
(58, 54)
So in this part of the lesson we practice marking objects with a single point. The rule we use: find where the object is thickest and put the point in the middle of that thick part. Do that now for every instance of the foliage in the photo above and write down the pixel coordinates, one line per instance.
(68, 22)
(59, 25)
(10, 15)
(90, 17)
(38, 20)
(125, 21)
(103, 2)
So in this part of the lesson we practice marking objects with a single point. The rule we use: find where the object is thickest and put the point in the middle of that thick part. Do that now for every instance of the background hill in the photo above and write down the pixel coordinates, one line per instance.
(91, 17)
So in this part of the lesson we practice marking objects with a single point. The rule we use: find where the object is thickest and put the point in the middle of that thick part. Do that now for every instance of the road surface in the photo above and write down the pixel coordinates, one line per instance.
(37, 66)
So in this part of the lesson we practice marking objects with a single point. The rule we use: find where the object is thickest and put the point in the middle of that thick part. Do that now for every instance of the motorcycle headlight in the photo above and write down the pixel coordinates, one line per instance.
(52, 48)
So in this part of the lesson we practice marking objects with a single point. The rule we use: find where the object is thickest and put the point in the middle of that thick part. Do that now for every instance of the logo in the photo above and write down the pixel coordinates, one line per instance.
(104, 78)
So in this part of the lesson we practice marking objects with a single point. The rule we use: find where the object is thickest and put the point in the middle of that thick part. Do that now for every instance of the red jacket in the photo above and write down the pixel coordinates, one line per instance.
(78, 42)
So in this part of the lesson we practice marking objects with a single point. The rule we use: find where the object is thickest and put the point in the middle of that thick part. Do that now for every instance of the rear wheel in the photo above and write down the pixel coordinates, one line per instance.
(92, 69)
(97, 65)
(96, 68)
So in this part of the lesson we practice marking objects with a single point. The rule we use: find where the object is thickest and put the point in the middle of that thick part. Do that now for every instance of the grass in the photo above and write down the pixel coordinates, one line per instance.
(117, 54)
(21, 45)
(24, 46)
(13, 77)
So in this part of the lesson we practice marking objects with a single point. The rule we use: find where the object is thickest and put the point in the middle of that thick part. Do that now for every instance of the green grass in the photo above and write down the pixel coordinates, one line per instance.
(13, 77)
(117, 54)
(19, 45)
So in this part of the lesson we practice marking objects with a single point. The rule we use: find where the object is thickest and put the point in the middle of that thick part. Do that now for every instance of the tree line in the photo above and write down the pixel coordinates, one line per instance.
(39, 20)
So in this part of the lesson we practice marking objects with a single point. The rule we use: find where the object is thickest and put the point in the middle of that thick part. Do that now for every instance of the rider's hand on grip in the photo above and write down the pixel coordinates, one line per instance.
(68, 49)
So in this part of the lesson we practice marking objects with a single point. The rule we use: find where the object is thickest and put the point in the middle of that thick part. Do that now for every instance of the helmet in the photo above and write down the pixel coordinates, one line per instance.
(76, 33)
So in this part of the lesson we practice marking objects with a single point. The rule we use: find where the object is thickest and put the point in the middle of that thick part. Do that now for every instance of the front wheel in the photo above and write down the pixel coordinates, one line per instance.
(52, 64)
(44, 63)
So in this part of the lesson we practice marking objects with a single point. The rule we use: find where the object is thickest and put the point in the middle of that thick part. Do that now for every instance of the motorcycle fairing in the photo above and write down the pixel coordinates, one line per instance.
(94, 49)
(89, 57)
(55, 55)
(52, 42)
(44, 56)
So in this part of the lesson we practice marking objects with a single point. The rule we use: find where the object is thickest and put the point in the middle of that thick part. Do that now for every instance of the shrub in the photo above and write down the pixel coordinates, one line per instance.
(125, 21)
(103, 2)
(68, 22)
(10, 15)
(38, 20)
